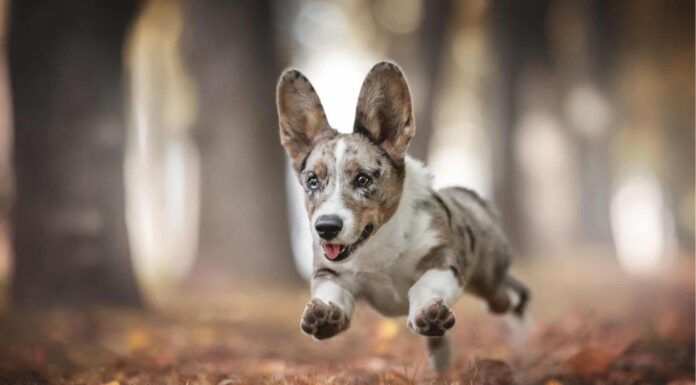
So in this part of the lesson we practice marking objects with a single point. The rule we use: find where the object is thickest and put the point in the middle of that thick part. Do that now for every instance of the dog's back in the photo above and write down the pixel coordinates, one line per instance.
(483, 249)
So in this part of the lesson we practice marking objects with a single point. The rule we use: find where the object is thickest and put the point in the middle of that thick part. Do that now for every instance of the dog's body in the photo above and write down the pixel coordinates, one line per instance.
(382, 234)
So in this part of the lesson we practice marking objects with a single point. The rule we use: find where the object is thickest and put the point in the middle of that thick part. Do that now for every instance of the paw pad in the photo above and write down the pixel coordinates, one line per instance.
(433, 320)
(322, 320)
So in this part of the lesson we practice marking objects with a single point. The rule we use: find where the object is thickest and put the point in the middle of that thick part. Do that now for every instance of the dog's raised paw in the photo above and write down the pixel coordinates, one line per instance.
(321, 320)
(432, 320)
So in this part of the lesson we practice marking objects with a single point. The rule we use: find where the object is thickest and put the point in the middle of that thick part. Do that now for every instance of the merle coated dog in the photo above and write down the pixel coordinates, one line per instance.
(381, 233)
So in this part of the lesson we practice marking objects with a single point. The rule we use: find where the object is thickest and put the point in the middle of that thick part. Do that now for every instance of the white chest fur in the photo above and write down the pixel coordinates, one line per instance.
(385, 267)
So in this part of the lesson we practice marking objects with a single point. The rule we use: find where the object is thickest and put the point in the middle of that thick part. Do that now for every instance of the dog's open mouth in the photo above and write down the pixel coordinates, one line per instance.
(336, 252)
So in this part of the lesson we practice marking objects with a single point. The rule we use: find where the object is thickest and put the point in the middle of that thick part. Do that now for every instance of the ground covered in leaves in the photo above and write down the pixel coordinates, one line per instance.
(592, 325)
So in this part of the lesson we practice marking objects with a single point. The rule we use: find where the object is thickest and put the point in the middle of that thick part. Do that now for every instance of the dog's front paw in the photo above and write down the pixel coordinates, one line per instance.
(321, 320)
(432, 320)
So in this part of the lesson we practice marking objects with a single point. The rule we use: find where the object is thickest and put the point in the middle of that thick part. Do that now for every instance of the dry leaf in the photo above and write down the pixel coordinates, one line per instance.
(590, 361)
(137, 339)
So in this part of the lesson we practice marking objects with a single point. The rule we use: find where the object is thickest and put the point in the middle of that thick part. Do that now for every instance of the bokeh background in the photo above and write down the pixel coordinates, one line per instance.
(140, 162)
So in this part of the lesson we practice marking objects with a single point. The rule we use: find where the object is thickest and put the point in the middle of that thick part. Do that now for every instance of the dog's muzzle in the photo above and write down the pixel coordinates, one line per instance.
(344, 252)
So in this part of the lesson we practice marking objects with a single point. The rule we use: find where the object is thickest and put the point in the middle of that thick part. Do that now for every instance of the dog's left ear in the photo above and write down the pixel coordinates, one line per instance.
(385, 113)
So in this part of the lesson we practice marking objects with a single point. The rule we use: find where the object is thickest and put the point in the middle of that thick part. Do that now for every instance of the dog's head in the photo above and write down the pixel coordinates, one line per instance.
(352, 182)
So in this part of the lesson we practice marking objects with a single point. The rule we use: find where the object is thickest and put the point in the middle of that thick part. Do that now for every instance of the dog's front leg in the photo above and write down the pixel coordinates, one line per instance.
(329, 310)
(429, 301)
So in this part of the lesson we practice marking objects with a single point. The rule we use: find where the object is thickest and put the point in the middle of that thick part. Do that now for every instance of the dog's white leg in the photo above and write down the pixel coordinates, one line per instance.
(433, 285)
(429, 301)
(330, 291)
(329, 311)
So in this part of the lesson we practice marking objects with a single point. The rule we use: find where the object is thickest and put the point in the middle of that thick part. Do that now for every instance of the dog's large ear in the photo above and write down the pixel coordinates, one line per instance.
(385, 113)
(301, 116)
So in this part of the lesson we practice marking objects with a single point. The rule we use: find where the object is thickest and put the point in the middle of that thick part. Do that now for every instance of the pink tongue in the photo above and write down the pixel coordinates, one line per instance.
(332, 250)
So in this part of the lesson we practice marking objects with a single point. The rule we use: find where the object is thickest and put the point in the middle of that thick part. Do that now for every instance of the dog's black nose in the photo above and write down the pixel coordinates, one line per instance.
(328, 226)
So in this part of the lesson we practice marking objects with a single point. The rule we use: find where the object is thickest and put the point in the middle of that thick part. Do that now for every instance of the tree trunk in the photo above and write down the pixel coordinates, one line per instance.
(230, 48)
(424, 51)
(6, 180)
(69, 233)
(434, 33)
(519, 30)
(588, 66)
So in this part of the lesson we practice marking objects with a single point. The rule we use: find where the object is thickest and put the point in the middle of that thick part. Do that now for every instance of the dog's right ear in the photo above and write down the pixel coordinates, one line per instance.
(301, 116)
(385, 113)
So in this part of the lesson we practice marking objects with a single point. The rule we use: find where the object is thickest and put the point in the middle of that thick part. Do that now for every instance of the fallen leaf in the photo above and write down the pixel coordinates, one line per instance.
(488, 372)
(386, 330)
(137, 339)
(590, 361)
(204, 336)
(681, 382)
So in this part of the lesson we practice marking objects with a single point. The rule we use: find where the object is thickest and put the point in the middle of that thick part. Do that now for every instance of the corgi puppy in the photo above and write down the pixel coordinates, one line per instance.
(381, 233)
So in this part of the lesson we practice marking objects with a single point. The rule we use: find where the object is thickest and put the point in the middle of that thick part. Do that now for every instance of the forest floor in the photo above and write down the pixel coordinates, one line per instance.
(592, 325)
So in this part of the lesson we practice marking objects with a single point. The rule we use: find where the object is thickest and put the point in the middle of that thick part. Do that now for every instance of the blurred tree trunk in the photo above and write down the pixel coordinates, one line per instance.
(69, 232)
(676, 28)
(6, 179)
(595, 151)
(519, 33)
(425, 53)
(434, 33)
(653, 63)
(230, 48)
(506, 32)
(6, 182)
(581, 39)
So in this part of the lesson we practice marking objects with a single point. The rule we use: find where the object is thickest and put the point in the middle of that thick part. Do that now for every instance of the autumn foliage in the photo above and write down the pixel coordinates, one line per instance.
(601, 328)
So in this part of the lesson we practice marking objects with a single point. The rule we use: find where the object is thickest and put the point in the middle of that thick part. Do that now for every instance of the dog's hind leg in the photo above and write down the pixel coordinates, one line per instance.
(439, 353)
(519, 295)
(510, 296)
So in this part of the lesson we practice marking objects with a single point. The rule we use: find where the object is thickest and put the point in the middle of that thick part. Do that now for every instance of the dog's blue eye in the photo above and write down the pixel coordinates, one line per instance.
(312, 183)
(362, 180)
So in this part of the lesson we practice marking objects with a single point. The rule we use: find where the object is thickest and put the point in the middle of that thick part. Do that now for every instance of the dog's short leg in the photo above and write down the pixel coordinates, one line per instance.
(329, 311)
(511, 296)
(519, 306)
(519, 319)
(429, 301)
(439, 353)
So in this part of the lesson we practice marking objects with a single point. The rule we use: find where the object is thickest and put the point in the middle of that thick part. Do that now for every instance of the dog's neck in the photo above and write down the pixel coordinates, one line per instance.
(406, 229)
(417, 187)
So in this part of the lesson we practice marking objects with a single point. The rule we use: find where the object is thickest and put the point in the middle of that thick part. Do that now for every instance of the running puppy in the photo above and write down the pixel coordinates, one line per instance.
(381, 233)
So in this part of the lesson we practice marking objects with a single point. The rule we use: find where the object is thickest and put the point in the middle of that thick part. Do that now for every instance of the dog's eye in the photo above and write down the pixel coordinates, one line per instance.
(313, 183)
(362, 180)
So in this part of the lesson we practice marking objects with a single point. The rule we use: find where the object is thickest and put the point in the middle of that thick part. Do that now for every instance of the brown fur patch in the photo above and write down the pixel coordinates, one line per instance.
(436, 258)
(471, 237)
(378, 202)
(319, 163)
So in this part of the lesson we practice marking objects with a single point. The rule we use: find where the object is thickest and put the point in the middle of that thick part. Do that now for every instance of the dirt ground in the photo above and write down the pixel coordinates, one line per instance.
(592, 325)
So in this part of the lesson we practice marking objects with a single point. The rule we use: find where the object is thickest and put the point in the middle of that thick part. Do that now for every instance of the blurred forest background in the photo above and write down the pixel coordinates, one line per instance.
(140, 162)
